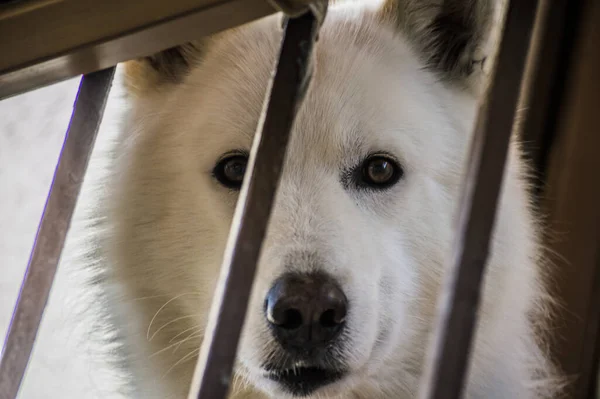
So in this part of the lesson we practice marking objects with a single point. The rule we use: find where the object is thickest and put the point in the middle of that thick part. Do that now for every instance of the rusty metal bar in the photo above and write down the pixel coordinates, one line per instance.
(83, 36)
(52, 231)
(448, 355)
(286, 91)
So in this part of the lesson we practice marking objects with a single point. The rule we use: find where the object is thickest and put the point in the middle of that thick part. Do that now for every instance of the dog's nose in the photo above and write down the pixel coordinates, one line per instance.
(306, 311)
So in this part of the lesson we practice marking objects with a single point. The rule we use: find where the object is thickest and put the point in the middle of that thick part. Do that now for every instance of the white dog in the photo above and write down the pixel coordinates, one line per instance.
(362, 225)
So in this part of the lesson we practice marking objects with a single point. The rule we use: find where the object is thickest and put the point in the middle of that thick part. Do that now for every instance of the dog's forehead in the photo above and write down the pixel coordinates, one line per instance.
(364, 90)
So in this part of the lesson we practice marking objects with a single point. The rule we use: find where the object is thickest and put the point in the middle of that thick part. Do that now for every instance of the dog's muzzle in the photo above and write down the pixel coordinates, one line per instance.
(306, 314)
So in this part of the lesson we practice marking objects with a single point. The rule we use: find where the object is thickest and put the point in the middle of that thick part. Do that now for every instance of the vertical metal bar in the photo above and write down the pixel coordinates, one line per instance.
(287, 88)
(545, 81)
(447, 360)
(52, 231)
(570, 200)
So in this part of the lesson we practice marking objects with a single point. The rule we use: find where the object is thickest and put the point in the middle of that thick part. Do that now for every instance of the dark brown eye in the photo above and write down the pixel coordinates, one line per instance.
(380, 171)
(230, 171)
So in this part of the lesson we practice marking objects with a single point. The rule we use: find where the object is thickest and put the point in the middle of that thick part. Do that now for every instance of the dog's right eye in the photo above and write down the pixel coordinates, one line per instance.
(230, 171)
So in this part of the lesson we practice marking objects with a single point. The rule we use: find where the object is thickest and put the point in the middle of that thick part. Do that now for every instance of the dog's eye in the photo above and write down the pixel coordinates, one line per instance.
(230, 171)
(380, 171)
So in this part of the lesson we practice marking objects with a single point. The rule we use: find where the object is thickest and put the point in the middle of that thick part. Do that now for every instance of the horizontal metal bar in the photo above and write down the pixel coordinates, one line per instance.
(45, 41)
(52, 231)
(448, 355)
(292, 75)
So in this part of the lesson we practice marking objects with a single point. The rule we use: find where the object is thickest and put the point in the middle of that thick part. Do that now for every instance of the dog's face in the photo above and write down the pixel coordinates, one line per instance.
(362, 210)
(362, 220)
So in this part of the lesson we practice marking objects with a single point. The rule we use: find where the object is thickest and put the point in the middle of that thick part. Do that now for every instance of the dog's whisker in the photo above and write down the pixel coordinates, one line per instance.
(168, 324)
(185, 331)
(172, 345)
(162, 307)
(191, 336)
(189, 356)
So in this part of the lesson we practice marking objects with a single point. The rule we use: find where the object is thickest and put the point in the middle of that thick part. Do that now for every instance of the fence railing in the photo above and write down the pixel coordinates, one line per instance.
(25, 68)
(249, 226)
(53, 228)
(457, 309)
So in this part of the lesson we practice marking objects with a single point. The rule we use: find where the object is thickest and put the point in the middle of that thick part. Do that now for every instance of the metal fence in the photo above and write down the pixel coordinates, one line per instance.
(25, 68)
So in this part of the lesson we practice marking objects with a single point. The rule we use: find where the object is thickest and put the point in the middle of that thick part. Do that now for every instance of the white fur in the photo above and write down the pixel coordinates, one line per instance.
(169, 219)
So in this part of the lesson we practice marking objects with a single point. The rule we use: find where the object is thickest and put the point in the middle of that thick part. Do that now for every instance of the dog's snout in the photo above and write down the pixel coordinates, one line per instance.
(306, 311)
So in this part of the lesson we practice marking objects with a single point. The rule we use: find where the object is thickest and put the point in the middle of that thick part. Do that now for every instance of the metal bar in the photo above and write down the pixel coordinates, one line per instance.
(544, 82)
(52, 231)
(83, 36)
(570, 201)
(292, 75)
(448, 354)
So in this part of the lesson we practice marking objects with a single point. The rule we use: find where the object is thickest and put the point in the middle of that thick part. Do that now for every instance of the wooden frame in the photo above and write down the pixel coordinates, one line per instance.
(74, 37)
(72, 49)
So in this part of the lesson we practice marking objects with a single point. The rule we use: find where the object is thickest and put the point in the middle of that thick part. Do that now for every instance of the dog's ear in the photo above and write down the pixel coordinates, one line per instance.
(167, 67)
(452, 36)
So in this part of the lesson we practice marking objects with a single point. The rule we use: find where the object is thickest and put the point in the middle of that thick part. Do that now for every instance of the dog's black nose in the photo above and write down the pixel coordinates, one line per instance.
(306, 311)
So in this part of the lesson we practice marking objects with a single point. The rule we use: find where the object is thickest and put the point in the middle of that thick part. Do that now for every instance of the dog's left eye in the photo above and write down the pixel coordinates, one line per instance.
(380, 171)
(230, 171)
